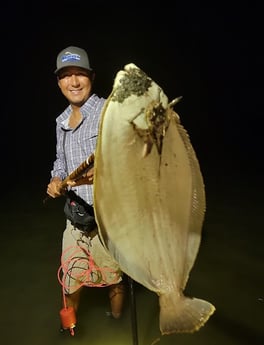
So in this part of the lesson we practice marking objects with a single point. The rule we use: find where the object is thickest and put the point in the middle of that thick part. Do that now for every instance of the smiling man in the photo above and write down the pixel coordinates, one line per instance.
(84, 260)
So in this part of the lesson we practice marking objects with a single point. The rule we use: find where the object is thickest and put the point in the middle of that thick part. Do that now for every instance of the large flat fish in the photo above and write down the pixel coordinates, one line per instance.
(149, 196)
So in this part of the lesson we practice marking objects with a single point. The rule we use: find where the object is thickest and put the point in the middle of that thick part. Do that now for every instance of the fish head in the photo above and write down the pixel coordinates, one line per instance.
(150, 117)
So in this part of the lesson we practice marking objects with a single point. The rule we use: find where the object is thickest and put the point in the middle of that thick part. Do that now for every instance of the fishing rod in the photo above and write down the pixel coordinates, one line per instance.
(78, 173)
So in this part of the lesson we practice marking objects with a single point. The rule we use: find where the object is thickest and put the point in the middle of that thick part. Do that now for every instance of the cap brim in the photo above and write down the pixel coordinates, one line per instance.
(61, 68)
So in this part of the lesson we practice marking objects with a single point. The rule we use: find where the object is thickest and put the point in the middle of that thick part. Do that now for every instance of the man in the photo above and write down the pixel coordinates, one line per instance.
(85, 261)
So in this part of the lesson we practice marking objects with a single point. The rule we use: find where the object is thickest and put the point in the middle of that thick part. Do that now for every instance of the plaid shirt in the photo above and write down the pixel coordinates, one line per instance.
(78, 144)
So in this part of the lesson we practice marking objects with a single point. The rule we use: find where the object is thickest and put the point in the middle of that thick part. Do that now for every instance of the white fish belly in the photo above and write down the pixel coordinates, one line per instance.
(150, 206)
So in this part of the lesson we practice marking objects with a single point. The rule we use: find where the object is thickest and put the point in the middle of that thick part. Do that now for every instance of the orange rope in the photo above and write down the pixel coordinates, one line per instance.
(85, 278)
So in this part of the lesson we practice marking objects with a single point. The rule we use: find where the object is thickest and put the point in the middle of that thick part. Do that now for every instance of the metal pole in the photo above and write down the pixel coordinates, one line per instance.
(133, 311)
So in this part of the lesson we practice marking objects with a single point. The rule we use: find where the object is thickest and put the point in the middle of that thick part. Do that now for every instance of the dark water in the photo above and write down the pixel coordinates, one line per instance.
(228, 272)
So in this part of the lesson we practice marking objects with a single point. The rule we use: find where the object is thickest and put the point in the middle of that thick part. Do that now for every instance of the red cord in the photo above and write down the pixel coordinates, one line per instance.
(86, 275)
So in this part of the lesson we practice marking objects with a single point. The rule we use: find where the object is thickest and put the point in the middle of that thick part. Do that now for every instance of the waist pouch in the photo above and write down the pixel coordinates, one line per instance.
(80, 214)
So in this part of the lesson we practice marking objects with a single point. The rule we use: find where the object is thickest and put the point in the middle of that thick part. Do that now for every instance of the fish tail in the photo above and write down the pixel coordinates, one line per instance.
(180, 314)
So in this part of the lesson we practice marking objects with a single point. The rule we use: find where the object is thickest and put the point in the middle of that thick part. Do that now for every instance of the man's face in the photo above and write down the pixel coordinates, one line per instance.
(75, 84)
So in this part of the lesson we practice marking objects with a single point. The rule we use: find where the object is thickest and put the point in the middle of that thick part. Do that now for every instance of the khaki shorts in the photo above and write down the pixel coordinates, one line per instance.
(85, 261)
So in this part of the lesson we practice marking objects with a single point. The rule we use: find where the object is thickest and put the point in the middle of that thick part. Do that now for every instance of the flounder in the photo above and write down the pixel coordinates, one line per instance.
(149, 196)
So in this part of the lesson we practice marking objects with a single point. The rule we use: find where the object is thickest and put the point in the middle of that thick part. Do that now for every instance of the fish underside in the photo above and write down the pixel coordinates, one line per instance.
(149, 196)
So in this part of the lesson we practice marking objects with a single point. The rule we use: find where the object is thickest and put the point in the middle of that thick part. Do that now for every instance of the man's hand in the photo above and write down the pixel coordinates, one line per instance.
(54, 188)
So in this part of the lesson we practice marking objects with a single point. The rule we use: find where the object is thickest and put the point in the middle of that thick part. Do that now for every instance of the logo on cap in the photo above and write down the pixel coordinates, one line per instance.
(68, 56)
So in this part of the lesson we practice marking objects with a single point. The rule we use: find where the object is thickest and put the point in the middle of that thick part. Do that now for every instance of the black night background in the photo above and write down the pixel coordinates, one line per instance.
(211, 55)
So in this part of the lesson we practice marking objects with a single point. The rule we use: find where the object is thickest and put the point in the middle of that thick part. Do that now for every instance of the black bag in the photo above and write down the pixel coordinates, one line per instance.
(79, 212)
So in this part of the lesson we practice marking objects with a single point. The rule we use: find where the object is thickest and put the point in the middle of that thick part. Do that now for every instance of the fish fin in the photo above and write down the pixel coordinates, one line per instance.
(180, 314)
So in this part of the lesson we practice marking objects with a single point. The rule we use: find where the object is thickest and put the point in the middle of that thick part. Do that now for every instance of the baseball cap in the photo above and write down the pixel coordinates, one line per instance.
(72, 56)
